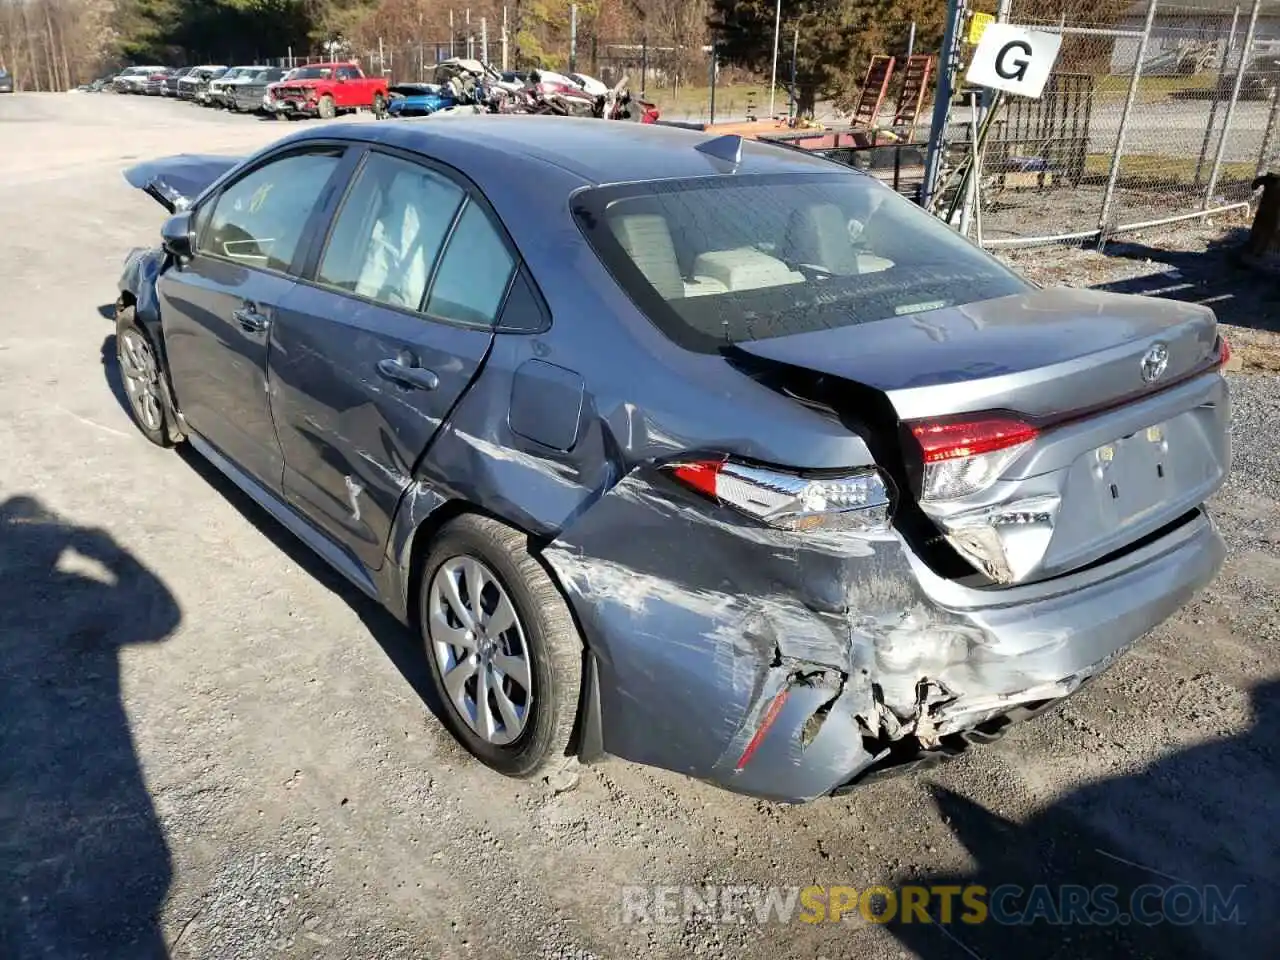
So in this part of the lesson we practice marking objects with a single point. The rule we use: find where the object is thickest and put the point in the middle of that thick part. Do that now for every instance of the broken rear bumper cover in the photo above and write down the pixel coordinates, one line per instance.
(726, 652)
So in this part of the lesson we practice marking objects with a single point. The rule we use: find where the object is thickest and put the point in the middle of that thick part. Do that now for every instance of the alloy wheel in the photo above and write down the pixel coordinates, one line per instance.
(481, 649)
(141, 378)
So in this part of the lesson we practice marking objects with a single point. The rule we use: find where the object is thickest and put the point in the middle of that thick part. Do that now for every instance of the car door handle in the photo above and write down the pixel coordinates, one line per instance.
(417, 378)
(251, 320)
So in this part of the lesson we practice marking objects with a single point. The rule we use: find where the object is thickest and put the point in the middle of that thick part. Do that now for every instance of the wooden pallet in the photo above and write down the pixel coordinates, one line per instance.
(915, 84)
(874, 89)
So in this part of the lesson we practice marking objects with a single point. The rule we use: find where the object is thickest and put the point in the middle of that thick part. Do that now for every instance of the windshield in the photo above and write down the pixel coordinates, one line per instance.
(311, 73)
(720, 260)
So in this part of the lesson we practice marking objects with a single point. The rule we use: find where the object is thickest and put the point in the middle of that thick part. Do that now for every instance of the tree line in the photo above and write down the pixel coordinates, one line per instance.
(56, 44)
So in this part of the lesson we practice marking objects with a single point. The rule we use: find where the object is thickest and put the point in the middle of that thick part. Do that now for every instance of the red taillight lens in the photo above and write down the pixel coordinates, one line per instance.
(857, 500)
(1224, 351)
(949, 440)
(966, 456)
(700, 475)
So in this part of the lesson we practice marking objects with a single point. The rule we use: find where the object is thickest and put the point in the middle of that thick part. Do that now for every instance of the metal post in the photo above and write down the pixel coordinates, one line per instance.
(948, 63)
(484, 40)
(471, 40)
(773, 82)
(644, 65)
(1114, 173)
(382, 62)
(1213, 106)
(573, 38)
(451, 35)
(911, 40)
(794, 112)
(971, 185)
(505, 64)
(1264, 155)
(1231, 107)
(714, 71)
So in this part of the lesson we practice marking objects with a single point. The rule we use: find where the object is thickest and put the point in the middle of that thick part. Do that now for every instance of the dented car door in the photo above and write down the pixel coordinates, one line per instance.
(384, 334)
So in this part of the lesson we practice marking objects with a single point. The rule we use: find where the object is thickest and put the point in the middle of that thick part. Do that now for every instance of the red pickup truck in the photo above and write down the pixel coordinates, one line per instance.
(324, 90)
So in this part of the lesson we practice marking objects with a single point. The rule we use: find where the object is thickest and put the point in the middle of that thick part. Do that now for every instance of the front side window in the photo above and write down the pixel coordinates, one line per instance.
(719, 260)
(347, 73)
(389, 232)
(259, 220)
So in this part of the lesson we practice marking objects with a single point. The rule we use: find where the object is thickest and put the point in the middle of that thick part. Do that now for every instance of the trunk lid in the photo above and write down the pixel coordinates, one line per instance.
(1127, 434)
(176, 182)
(1042, 353)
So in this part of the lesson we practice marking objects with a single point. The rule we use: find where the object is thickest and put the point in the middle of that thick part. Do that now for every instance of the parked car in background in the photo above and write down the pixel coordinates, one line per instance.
(707, 454)
(218, 87)
(6, 81)
(133, 79)
(327, 89)
(153, 85)
(197, 81)
(171, 82)
(248, 95)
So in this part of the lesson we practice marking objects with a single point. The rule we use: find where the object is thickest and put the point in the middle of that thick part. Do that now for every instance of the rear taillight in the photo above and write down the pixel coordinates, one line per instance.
(966, 456)
(1224, 352)
(857, 500)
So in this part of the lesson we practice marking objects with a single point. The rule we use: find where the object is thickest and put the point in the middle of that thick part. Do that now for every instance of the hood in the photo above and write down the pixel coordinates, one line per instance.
(175, 182)
(1040, 353)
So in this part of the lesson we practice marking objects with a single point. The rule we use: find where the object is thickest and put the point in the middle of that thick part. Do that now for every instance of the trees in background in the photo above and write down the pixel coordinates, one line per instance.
(833, 40)
(55, 44)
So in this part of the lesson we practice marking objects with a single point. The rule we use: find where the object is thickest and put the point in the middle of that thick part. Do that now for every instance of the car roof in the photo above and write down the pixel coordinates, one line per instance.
(596, 151)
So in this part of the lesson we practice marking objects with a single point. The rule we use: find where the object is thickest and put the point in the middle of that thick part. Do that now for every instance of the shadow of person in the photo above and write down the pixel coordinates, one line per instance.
(1179, 859)
(84, 868)
(401, 645)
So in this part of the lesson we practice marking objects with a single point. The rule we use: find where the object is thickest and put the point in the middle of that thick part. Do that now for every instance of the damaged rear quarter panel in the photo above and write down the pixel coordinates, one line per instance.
(700, 618)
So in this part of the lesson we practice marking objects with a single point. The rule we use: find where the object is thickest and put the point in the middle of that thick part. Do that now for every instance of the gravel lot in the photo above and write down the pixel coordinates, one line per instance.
(209, 747)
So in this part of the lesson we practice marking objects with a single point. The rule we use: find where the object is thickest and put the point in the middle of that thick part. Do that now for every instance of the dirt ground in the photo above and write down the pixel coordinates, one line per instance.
(210, 747)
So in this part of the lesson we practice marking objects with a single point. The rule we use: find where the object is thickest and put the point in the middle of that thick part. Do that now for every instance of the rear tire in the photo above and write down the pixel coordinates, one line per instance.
(142, 373)
(516, 636)
(327, 109)
(379, 106)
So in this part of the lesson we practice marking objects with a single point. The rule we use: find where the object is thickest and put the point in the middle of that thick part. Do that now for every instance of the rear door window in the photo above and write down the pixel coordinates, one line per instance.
(389, 232)
(475, 272)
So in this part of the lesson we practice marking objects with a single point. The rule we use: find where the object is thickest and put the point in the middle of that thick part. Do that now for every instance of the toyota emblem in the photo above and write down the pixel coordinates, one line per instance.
(1154, 362)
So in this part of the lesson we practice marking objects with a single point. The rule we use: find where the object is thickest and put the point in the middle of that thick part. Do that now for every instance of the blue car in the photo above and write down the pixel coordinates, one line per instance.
(419, 100)
(700, 452)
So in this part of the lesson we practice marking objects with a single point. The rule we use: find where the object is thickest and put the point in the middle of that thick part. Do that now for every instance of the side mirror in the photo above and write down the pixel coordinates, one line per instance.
(176, 236)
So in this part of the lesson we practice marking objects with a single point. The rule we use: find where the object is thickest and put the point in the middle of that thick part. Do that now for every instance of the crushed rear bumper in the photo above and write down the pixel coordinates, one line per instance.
(730, 653)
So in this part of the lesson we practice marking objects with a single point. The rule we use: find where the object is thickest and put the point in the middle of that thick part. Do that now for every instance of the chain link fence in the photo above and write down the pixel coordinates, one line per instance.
(1160, 112)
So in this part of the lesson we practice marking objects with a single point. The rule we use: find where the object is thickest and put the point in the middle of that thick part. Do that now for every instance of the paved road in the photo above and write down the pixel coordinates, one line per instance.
(210, 748)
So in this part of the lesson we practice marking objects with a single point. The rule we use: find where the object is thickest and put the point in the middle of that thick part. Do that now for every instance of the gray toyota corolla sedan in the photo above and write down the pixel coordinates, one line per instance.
(702, 453)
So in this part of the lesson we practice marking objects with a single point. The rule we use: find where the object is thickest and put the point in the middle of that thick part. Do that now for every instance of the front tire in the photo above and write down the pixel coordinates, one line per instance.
(326, 108)
(504, 653)
(141, 371)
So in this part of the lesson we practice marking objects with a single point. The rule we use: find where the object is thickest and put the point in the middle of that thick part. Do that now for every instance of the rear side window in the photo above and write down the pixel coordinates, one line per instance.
(720, 260)
(475, 272)
(259, 220)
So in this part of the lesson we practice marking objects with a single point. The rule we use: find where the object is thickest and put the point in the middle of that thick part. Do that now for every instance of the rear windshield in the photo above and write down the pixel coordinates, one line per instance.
(721, 260)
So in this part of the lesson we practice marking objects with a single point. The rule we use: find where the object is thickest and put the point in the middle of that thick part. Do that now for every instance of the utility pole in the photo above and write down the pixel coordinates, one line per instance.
(484, 40)
(505, 64)
(773, 82)
(573, 38)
